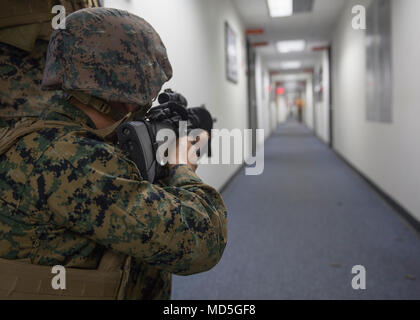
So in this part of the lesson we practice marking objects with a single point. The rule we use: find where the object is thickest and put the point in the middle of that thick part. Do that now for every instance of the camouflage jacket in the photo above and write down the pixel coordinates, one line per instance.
(20, 81)
(66, 195)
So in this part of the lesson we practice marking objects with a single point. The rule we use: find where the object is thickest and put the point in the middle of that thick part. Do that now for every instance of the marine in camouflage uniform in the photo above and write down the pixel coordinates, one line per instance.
(25, 29)
(68, 195)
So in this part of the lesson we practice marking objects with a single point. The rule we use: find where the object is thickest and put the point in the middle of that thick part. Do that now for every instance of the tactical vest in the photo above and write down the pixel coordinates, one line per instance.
(19, 279)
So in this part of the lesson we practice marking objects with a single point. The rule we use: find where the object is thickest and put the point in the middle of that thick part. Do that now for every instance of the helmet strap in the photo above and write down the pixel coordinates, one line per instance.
(104, 107)
(96, 103)
(107, 131)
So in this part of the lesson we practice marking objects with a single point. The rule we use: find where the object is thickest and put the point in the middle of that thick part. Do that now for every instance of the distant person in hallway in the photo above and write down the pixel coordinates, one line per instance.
(299, 105)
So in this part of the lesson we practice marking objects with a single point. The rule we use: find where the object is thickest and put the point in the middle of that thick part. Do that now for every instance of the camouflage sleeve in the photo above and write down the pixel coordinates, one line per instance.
(96, 192)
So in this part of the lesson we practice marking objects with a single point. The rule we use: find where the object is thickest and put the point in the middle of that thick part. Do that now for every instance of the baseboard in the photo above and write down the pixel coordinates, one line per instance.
(405, 214)
(229, 181)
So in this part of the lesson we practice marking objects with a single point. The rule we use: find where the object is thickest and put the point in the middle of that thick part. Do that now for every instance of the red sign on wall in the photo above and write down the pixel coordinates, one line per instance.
(280, 91)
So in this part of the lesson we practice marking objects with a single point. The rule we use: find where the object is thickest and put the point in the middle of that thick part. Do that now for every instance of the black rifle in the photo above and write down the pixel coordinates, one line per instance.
(138, 138)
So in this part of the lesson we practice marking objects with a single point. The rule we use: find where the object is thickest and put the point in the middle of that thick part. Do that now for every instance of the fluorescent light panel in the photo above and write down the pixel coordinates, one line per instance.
(291, 46)
(290, 65)
(280, 8)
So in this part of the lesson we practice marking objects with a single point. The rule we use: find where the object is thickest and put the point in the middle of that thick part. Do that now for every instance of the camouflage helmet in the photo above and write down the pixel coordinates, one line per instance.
(109, 54)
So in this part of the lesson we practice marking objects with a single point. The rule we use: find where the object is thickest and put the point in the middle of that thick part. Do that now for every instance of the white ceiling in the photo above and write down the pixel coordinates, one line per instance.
(315, 27)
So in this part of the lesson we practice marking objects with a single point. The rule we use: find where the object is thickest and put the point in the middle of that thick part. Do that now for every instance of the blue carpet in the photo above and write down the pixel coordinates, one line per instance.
(296, 231)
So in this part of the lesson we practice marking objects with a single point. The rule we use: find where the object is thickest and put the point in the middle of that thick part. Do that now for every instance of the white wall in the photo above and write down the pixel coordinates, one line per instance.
(309, 104)
(273, 115)
(281, 109)
(322, 108)
(262, 79)
(194, 34)
(389, 154)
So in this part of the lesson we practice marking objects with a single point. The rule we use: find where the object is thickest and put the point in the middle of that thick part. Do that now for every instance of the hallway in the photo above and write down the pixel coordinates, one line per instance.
(296, 231)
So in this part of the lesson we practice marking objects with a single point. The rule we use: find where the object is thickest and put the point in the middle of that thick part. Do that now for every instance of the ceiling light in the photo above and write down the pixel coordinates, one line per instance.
(291, 65)
(280, 8)
(291, 46)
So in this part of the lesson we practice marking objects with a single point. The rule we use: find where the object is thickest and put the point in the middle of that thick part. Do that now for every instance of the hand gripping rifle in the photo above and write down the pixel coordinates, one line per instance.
(138, 138)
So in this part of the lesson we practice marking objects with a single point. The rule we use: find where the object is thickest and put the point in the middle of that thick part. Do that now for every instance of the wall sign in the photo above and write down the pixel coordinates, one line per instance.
(379, 62)
(231, 54)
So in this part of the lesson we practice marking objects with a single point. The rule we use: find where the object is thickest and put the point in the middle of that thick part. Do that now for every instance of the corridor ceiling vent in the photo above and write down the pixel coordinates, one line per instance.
(302, 6)
(288, 65)
(291, 46)
(286, 8)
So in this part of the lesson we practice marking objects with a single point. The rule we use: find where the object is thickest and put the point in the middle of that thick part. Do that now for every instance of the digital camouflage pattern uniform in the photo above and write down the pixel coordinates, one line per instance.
(67, 195)
(25, 29)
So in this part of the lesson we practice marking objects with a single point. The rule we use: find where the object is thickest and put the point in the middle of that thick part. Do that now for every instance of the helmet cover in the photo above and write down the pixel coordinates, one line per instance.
(107, 53)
